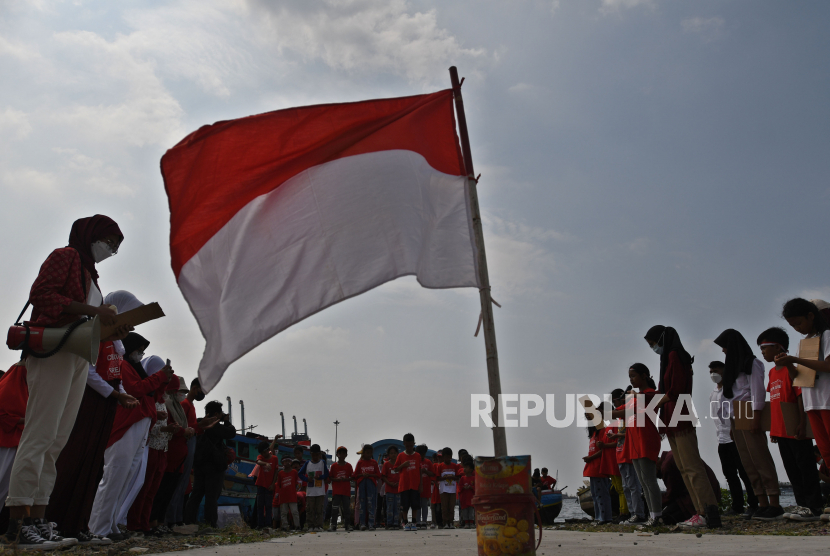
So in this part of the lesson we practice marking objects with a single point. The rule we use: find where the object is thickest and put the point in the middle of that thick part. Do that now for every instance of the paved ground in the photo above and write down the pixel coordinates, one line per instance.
(438, 543)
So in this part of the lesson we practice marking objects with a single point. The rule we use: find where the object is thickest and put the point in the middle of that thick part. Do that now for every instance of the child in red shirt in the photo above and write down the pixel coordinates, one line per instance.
(288, 479)
(447, 474)
(426, 486)
(435, 499)
(268, 464)
(408, 464)
(341, 489)
(796, 451)
(600, 484)
(366, 474)
(391, 478)
(466, 491)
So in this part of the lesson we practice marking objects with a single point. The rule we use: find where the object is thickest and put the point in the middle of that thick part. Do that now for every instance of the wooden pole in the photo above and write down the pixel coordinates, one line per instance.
(493, 379)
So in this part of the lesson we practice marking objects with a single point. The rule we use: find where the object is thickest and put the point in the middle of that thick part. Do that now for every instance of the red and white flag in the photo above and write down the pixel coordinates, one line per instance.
(277, 216)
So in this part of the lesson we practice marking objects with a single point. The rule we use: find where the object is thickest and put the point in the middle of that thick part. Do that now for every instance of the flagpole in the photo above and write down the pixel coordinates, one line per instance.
(493, 379)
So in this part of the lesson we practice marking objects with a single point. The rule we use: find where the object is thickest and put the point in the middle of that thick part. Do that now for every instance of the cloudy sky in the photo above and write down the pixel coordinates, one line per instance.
(642, 162)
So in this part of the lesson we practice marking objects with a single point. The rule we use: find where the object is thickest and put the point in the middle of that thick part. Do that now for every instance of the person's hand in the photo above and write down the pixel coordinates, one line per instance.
(168, 371)
(126, 401)
(161, 415)
(189, 433)
(267, 466)
(801, 430)
(271, 488)
(783, 359)
(105, 314)
(586, 459)
(120, 333)
(278, 436)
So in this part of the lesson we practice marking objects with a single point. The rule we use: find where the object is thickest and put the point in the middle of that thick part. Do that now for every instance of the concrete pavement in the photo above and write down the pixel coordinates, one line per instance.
(457, 542)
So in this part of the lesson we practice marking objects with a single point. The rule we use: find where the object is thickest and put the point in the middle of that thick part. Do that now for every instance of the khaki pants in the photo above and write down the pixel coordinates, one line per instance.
(757, 461)
(687, 457)
(56, 388)
(314, 511)
(295, 515)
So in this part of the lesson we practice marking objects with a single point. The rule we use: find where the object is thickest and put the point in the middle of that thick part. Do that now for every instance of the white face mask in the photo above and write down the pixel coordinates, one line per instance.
(181, 397)
(716, 377)
(137, 356)
(100, 251)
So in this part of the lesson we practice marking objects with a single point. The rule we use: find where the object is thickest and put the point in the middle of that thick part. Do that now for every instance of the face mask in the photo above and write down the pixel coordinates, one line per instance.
(100, 251)
(137, 356)
(716, 377)
(181, 397)
(657, 349)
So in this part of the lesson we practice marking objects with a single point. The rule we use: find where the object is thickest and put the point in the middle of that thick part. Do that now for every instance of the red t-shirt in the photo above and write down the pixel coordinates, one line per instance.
(108, 365)
(548, 482)
(450, 469)
(781, 389)
(287, 481)
(337, 471)
(366, 466)
(266, 476)
(426, 480)
(593, 468)
(392, 476)
(411, 476)
(641, 441)
(465, 495)
(609, 455)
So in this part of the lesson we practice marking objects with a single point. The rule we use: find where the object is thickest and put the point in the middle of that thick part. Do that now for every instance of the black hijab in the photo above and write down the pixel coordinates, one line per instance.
(739, 358)
(667, 337)
(132, 343)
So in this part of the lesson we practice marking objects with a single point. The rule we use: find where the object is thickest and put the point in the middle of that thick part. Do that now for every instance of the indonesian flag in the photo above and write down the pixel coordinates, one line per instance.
(277, 216)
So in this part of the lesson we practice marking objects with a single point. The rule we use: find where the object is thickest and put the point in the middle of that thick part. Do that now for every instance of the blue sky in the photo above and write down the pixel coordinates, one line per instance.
(642, 162)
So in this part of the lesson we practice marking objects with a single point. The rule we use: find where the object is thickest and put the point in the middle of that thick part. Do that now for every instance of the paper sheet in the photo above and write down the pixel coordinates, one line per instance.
(808, 348)
(139, 315)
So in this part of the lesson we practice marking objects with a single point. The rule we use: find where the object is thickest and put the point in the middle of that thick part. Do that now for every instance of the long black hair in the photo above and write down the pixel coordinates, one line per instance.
(643, 371)
(799, 307)
(739, 358)
(667, 338)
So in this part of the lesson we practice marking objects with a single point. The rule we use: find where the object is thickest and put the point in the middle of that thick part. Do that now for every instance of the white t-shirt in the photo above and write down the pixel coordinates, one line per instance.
(94, 298)
(720, 410)
(314, 472)
(751, 387)
(818, 397)
(447, 487)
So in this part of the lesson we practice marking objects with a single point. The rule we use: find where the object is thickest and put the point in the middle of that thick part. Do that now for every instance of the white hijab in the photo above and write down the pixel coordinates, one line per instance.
(152, 364)
(122, 300)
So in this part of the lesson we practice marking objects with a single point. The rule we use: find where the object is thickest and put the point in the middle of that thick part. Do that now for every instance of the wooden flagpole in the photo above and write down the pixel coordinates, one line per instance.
(493, 379)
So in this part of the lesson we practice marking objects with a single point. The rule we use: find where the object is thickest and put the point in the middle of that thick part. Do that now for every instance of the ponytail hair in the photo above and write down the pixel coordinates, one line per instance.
(799, 307)
(643, 371)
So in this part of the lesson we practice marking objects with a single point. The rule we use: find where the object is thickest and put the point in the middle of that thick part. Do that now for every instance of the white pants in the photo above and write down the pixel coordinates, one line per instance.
(56, 388)
(137, 475)
(120, 460)
(6, 462)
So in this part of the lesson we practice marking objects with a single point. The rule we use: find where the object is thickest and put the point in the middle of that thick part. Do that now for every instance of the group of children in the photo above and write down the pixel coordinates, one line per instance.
(408, 490)
(626, 454)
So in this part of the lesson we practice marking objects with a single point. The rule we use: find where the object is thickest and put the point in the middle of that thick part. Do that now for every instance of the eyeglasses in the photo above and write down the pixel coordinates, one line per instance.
(113, 245)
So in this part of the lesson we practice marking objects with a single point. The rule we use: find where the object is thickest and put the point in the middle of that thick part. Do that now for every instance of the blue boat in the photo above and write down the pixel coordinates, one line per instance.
(550, 506)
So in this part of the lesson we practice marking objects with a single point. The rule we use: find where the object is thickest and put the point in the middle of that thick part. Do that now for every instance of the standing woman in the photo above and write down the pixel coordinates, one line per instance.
(81, 462)
(65, 289)
(642, 441)
(743, 380)
(808, 320)
(600, 483)
(676, 381)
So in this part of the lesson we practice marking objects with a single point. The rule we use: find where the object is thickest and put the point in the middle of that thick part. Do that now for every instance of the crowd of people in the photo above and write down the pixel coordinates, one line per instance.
(88, 447)
(625, 455)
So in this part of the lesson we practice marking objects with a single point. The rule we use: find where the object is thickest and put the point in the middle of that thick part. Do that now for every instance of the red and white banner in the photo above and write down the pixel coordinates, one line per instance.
(277, 216)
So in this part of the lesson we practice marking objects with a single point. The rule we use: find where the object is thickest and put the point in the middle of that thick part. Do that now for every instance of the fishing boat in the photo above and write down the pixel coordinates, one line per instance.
(586, 501)
(550, 506)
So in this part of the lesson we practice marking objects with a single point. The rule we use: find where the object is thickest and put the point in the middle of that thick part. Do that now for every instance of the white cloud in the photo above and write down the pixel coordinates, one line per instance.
(520, 88)
(554, 7)
(365, 36)
(709, 29)
(611, 6)
(14, 123)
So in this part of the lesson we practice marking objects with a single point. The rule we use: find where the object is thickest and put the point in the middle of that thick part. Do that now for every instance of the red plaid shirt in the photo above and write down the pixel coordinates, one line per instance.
(57, 285)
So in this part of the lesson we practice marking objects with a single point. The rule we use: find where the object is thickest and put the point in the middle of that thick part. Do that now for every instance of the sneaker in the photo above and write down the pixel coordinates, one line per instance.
(363, 527)
(450, 526)
(49, 533)
(750, 512)
(655, 522)
(697, 521)
(115, 537)
(770, 513)
(623, 518)
(371, 528)
(349, 528)
(432, 526)
(634, 519)
(827, 510)
(440, 526)
(825, 517)
(91, 539)
(800, 513)
(25, 535)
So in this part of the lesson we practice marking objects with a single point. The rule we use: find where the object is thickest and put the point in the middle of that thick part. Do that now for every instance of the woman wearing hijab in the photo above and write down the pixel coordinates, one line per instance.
(66, 289)
(126, 447)
(81, 462)
(138, 518)
(743, 380)
(676, 381)
(175, 510)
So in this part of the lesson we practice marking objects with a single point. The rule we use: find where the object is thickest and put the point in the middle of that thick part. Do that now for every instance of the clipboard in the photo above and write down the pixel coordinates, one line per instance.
(808, 348)
(745, 417)
(790, 412)
(586, 403)
(139, 315)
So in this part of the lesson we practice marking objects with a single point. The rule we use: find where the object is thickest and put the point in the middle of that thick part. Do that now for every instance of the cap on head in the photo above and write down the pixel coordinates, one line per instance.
(341, 449)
